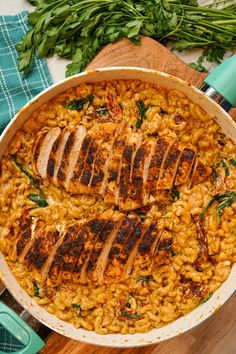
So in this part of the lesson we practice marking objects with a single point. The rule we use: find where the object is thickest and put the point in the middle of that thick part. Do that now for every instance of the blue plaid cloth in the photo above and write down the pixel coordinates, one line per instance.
(16, 89)
(8, 343)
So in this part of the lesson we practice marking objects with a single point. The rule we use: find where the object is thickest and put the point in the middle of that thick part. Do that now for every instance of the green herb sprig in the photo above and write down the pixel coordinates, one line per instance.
(129, 315)
(37, 290)
(145, 279)
(76, 105)
(32, 180)
(205, 299)
(142, 109)
(38, 199)
(224, 201)
(77, 30)
(174, 193)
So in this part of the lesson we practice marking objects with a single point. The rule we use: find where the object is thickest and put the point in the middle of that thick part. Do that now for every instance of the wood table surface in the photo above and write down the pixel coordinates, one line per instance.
(217, 335)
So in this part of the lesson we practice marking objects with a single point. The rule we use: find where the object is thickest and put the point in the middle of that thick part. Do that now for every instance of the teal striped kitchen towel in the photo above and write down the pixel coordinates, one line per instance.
(15, 88)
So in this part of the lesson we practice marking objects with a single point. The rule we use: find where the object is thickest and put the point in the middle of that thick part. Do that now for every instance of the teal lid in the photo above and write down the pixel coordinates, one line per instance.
(25, 338)
(223, 80)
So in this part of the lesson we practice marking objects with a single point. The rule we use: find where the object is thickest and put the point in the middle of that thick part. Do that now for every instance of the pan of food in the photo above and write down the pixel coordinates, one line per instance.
(118, 204)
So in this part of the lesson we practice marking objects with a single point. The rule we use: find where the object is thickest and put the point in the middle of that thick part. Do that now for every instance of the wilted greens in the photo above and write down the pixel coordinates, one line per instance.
(223, 201)
(78, 29)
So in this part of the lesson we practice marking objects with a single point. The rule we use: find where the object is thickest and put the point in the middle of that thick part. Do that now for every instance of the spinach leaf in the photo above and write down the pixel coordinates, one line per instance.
(174, 193)
(224, 200)
(205, 299)
(145, 278)
(37, 290)
(232, 162)
(225, 167)
(129, 315)
(38, 199)
(142, 109)
(82, 313)
(102, 111)
(76, 105)
(33, 181)
(77, 307)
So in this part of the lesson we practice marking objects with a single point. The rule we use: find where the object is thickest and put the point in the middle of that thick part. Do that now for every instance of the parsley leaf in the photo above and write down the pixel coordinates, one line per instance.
(76, 105)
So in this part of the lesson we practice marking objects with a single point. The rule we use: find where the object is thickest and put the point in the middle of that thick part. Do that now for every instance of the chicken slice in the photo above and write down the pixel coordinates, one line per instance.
(27, 238)
(114, 168)
(79, 138)
(40, 251)
(164, 246)
(132, 145)
(131, 246)
(200, 173)
(169, 167)
(125, 258)
(44, 151)
(98, 257)
(112, 266)
(73, 186)
(185, 165)
(22, 237)
(147, 246)
(70, 155)
(162, 148)
(139, 172)
(109, 159)
(55, 156)
(66, 254)
(97, 226)
(147, 162)
(36, 149)
(94, 170)
(102, 260)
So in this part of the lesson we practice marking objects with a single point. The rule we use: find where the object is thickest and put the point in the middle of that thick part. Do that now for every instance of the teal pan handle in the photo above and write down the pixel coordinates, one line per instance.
(223, 80)
(20, 330)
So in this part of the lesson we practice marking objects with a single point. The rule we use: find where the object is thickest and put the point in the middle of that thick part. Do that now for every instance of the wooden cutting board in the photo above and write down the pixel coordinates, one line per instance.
(216, 335)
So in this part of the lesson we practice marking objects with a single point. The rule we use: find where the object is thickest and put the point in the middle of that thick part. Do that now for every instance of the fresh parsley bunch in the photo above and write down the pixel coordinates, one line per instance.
(78, 29)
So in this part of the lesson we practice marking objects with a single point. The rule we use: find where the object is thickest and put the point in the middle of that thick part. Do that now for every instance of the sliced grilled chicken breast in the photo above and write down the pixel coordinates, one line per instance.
(108, 247)
(116, 162)
(185, 165)
(40, 251)
(140, 173)
(44, 151)
(105, 239)
(122, 198)
(69, 156)
(36, 149)
(93, 228)
(26, 239)
(146, 167)
(169, 167)
(55, 156)
(162, 148)
(148, 246)
(115, 257)
(102, 260)
(200, 172)
(80, 133)
(21, 238)
(104, 143)
(114, 168)
(74, 183)
(131, 247)
(108, 162)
